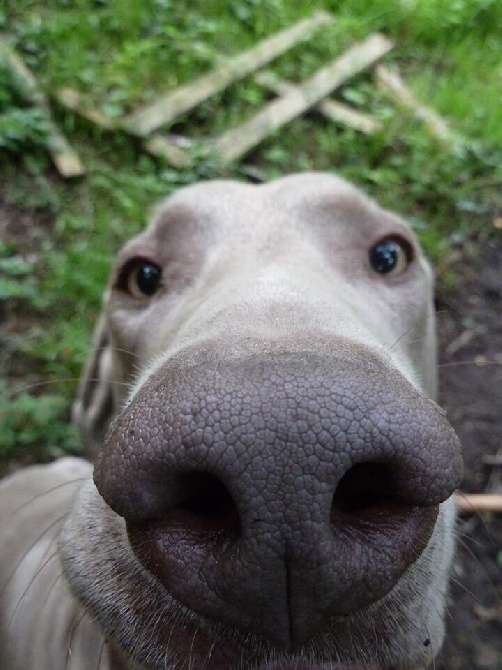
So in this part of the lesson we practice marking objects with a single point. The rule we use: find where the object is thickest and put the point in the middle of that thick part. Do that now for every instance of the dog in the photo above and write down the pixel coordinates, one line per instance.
(273, 479)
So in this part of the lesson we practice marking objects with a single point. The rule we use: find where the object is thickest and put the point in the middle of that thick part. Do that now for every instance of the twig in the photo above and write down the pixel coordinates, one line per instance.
(468, 503)
(392, 83)
(331, 109)
(156, 145)
(63, 155)
(238, 141)
(495, 460)
(75, 101)
(165, 109)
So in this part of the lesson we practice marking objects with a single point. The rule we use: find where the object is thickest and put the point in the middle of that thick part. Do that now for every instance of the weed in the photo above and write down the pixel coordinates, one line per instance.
(39, 423)
(22, 127)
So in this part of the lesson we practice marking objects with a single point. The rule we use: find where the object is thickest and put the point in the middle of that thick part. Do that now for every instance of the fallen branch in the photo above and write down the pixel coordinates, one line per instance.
(157, 145)
(63, 155)
(468, 503)
(162, 146)
(76, 102)
(165, 109)
(392, 83)
(238, 141)
(335, 111)
(495, 459)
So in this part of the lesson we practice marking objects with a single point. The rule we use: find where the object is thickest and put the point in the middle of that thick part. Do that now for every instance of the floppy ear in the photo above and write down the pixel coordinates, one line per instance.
(96, 404)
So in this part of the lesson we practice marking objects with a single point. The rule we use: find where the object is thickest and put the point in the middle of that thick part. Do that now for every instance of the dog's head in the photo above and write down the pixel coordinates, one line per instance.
(272, 492)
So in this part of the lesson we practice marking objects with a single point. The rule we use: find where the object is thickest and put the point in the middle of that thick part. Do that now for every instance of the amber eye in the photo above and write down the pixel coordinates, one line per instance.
(144, 279)
(390, 257)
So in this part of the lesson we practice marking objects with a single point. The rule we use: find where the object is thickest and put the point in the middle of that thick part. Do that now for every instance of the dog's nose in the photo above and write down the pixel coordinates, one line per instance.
(275, 493)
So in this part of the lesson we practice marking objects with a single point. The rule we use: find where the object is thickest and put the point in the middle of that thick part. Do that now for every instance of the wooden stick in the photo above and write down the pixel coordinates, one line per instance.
(392, 83)
(165, 109)
(76, 102)
(157, 145)
(478, 502)
(495, 459)
(238, 141)
(161, 146)
(335, 111)
(63, 155)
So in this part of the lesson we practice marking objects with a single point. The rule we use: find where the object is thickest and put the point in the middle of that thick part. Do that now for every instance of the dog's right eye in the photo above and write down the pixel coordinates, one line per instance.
(141, 279)
(390, 256)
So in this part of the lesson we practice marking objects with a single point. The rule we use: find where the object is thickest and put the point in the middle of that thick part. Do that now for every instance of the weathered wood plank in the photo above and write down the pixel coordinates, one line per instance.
(161, 112)
(337, 111)
(331, 109)
(76, 102)
(474, 503)
(393, 84)
(238, 141)
(62, 154)
(157, 145)
(162, 147)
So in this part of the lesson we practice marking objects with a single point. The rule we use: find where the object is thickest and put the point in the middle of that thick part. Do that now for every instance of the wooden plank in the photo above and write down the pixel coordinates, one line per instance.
(160, 146)
(76, 102)
(494, 459)
(238, 141)
(157, 145)
(169, 106)
(478, 502)
(331, 109)
(391, 82)
(63, 155)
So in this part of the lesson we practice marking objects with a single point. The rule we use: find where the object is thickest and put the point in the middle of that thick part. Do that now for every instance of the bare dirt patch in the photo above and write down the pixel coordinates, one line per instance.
(470, 337)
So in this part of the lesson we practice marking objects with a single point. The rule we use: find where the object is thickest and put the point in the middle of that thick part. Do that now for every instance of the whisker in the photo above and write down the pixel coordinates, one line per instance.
(44, 563)
(52, 382)
(476, 362)
(493, 586)
(406, 332)
(74, 626)
(101, 653)
(37, 539)
(39, 496)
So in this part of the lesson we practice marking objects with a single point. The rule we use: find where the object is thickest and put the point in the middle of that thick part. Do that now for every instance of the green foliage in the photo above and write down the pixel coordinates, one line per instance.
(37, 422)
(22, 127)
(16, 280)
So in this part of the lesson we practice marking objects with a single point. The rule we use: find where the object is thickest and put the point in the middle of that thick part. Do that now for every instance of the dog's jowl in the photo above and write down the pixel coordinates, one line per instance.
(272, 481)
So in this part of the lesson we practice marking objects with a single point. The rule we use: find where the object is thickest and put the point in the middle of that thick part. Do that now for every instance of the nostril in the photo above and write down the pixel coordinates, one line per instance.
(188, 533)
(365, 488)
(209, 498)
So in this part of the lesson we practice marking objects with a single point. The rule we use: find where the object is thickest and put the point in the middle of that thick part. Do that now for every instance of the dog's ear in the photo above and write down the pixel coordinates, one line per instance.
(96, 404)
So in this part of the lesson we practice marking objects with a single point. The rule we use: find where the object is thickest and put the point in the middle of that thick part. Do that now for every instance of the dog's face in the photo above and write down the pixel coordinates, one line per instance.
(273, 492)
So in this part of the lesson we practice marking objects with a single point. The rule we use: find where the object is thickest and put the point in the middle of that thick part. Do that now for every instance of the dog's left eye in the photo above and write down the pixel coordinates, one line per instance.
(390, 257)
(144, 279)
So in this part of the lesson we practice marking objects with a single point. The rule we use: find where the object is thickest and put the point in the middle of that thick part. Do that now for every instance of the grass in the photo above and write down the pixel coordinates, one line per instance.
(123, 53)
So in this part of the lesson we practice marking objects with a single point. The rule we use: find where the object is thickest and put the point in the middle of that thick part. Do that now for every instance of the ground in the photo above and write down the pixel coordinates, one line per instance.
(470, 345)
(470, 338)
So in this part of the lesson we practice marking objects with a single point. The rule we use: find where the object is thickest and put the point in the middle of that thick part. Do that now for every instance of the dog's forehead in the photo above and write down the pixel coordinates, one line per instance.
(295, 190)
(312, 199)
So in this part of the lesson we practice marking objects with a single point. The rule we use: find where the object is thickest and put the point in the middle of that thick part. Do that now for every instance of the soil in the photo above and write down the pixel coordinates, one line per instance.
(470, 345)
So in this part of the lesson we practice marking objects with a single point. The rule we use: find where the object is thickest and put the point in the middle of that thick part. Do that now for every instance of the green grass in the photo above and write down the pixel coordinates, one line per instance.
(122, 53)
